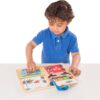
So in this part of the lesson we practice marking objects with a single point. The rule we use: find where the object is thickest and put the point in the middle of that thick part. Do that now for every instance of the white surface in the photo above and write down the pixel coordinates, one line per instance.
(20, 20)
(88, 87)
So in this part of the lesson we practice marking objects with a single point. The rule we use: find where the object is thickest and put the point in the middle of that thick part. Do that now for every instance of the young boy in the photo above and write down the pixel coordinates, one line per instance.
(58, 41)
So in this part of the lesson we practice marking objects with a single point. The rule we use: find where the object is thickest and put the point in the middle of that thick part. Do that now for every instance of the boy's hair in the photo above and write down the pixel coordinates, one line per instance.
(60, 9)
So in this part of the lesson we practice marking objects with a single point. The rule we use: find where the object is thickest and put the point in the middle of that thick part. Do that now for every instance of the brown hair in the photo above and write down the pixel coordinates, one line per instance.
(60, 9)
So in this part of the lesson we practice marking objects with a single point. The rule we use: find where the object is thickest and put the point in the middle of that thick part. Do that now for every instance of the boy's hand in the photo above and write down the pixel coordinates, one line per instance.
(75, 71)
(31, 66)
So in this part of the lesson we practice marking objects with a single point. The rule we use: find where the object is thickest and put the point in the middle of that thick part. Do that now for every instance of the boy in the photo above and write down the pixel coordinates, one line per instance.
(58, 41)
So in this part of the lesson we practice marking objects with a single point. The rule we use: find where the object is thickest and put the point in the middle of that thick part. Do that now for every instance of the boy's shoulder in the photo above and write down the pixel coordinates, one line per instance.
(71, 34)
(44, 30)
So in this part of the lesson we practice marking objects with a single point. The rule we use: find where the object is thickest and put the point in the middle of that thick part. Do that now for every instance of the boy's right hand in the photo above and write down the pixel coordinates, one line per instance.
(31, 66)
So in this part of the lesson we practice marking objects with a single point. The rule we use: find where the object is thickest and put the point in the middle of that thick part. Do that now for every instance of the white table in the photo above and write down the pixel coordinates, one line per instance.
(88, 87)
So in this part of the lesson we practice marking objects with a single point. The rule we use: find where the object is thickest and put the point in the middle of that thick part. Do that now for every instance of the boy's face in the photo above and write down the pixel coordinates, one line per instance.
(57, 25)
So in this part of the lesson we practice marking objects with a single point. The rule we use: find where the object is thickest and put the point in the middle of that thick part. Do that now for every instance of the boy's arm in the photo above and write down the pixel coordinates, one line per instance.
(75, 59)
(29, 51)
(75, 62)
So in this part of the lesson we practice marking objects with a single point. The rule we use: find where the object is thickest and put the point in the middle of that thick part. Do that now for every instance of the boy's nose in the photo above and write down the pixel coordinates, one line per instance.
(56, 30)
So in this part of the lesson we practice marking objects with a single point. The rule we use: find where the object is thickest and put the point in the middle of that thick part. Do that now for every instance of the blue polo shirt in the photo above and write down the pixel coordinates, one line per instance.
(56, 48)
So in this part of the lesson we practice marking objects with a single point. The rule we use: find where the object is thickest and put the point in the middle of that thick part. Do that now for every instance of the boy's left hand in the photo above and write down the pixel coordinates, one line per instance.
(75, 71)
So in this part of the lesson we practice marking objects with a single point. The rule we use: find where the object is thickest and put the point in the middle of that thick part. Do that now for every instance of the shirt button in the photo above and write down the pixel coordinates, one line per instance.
(58, 40)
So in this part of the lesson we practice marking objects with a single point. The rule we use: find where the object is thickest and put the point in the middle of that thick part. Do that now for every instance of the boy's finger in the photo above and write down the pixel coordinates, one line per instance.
(30, 68)
(79, 72)
(75, 72)
(71, 70)
(33, 69)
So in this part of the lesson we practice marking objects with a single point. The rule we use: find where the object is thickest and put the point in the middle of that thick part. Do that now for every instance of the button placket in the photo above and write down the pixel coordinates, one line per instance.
(58, 43)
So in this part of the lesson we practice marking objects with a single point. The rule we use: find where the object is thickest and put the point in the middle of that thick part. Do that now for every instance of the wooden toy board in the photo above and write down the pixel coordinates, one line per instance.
(44, 75)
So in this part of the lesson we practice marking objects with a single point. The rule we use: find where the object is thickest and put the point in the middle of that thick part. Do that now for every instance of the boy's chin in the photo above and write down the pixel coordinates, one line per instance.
(58, 33)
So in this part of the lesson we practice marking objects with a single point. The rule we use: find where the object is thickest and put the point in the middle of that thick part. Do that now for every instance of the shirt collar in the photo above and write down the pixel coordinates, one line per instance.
(62, 35)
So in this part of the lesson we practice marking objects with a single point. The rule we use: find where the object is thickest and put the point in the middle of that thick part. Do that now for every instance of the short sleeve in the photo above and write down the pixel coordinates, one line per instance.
(74, 45)
(39, 38)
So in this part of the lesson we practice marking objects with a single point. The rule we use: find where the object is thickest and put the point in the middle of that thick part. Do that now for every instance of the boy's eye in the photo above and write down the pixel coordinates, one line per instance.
(59, 25)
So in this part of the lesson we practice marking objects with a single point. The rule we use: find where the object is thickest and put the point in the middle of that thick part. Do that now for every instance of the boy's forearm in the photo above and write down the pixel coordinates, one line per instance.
(29, 52)
(75, 60)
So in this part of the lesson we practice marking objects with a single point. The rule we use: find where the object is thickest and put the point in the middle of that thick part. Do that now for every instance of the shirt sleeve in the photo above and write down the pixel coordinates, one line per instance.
(38, 38)
(74, 45)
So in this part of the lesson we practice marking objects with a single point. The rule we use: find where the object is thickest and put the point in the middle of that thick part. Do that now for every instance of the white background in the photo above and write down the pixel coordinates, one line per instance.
(21, 20)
